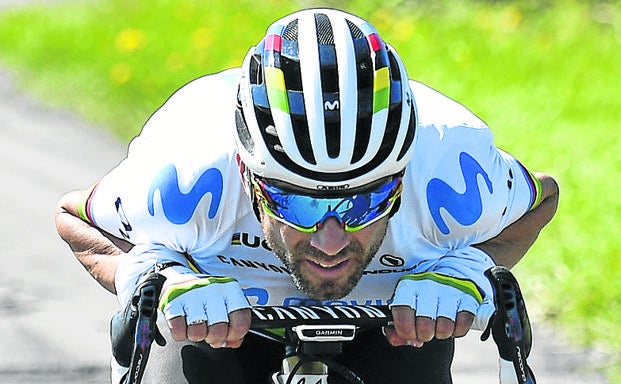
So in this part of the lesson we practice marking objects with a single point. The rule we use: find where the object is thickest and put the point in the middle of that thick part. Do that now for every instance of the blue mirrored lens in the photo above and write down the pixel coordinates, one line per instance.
(306, 211)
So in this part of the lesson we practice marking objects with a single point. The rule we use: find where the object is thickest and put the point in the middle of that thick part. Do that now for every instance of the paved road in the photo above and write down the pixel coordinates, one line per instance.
(53, 317)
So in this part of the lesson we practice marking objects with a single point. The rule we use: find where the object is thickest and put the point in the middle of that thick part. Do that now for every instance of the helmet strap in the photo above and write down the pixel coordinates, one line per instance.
(246, 179)
(395, 208)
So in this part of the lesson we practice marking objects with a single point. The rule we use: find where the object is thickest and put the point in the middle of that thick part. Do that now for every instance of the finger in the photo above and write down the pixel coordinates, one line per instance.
(178, 328)
(218, 310)
(239, 324)
(445, 328)
(448, 307)
(216, 335)
(195, 314)
(397, 341)
(174, 309)
(403, 318)
(463, 323)
(197, 331)
(234, 343)
(392, 337)
(427, 306)
(425, 328)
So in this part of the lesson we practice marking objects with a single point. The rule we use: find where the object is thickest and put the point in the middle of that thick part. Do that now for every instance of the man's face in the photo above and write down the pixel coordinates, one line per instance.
(326, 264)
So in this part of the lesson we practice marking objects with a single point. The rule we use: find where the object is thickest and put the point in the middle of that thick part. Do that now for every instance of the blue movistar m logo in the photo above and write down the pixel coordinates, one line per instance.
(178, 206)
(466, 208)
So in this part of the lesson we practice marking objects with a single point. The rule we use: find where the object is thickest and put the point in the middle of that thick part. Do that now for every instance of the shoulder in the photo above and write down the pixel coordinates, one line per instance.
(202, 109)
(445, 129)
(212, 88)
(180, 180)
(457, 185)
(436, 109)
(179, 200)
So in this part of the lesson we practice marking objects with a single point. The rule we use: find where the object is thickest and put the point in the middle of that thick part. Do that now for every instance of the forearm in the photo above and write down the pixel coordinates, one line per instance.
(96, 250)
(513, 242)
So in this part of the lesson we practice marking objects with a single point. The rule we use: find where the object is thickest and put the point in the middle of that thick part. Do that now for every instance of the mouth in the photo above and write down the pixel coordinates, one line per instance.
(328, 267)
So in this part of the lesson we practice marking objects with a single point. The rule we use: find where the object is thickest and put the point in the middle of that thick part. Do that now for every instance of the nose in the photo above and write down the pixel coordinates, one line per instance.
(331, 237)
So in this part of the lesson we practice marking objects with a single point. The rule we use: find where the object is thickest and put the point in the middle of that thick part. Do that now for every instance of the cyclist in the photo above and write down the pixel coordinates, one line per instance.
(315, 173)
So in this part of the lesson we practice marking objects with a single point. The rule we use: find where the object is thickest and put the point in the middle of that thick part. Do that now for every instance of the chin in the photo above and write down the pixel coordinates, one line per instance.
(328, 290)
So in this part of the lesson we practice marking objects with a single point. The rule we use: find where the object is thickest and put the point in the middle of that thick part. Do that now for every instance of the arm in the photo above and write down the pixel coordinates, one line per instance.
(100, 254)
(507, 248)
(98, 251)
(513, 242)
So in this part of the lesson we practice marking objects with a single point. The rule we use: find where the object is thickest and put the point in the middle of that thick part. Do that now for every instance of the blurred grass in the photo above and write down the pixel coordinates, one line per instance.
(544, 75)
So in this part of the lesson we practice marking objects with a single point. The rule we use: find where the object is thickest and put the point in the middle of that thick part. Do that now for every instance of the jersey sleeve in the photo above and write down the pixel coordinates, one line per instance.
(524, 188)
(462, 188)
(138, 262)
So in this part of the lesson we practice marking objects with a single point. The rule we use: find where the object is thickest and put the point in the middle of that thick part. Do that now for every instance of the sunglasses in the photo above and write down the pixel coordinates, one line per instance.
(306, 213)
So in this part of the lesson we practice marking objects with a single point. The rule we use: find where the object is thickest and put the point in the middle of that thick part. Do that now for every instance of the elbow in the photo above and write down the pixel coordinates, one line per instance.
(550, 193)
(61, 212)
(66, 216)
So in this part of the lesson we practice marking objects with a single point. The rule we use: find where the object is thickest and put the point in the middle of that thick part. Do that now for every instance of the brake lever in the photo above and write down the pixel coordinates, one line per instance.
(133, 330)
(510, 325)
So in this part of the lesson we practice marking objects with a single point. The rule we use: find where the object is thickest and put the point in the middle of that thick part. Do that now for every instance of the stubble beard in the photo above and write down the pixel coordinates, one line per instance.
(329, 289)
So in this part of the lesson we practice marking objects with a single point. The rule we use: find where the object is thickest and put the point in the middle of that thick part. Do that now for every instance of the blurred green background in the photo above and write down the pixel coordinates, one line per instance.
(543, 74)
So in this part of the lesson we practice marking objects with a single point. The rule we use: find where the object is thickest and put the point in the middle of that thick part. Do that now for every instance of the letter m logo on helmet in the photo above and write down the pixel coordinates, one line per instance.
(324, 101)
(331, 106)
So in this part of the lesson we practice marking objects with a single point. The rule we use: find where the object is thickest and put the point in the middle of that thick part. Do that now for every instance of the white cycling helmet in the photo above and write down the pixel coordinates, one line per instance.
(324, 104)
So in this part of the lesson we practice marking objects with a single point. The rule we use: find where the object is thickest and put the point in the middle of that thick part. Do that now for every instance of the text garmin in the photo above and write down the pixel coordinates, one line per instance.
(329, 332)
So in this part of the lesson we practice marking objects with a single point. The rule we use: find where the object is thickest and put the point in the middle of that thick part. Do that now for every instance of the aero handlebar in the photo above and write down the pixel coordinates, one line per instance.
(283, 317)
(134, 329)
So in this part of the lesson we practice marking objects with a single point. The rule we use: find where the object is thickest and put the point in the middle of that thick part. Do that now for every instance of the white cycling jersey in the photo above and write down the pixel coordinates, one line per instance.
(178, 196)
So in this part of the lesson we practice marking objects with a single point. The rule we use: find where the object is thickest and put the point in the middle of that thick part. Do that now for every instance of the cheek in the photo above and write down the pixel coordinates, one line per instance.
(290, 237)
(281, 235)
(373, 233)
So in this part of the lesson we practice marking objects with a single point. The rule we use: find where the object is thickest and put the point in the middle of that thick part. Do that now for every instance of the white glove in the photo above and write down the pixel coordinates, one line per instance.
(432, 295)
(200, 298)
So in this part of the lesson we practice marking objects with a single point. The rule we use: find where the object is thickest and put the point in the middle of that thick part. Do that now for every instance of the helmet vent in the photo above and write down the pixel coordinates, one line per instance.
(409, 138)
(291, 31)
(242, 131)
(324, 30)
(297, 89)
(256, 75)
(355, 31)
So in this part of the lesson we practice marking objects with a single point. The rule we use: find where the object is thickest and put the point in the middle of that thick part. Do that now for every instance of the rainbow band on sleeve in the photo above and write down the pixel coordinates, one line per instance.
(84, 206)
(464, 285)
(534, 184)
